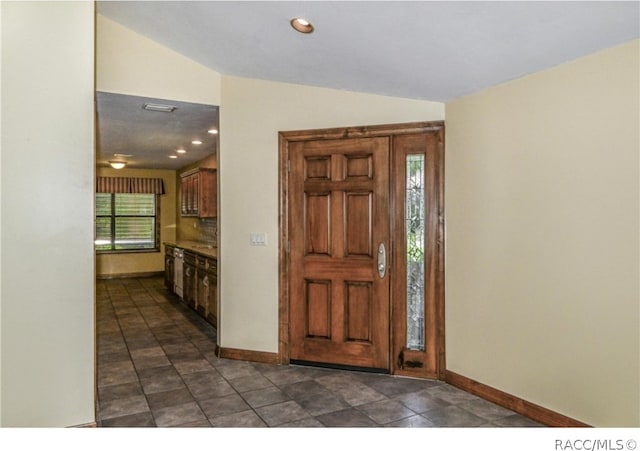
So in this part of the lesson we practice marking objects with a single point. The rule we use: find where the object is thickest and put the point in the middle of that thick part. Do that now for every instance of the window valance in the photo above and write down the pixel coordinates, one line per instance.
(131, 185)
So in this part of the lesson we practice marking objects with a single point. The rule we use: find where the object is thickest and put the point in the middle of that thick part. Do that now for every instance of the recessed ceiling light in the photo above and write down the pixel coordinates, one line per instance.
(213, 131)
(181, 151)
(173, 156)
(158, 107)
(196, 142)
(301, 25)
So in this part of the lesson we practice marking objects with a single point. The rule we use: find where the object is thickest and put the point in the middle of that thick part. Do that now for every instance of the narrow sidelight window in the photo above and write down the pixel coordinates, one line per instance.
(415, 227)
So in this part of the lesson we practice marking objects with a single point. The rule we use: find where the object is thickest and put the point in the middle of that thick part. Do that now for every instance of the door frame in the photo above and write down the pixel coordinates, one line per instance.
(389, 130)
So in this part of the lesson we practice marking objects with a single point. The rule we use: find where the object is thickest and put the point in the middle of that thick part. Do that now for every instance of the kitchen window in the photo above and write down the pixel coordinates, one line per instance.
(127, 222)
(128, 214)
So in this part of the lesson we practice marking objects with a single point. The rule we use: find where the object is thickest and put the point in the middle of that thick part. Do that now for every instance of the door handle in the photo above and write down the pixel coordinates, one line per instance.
(382, 260)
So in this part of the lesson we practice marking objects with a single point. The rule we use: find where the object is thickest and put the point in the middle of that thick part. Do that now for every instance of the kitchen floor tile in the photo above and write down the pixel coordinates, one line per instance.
(415, 421)
(138, 420)
(350, 389)
(113, 392)
(235, 371)
(485, 409)
(264, 397)
(246, 419)
(452, 416)
(388, 411)
(161, 371)
(314, 398)
(451, 394)
(348, 418)
(179, 415)
(285, 412)
(249, 383)
(151, 362)
(224, 405)
(123, 406)
(208, 390)
(157, 368)
(169, 398)
(192, 366)
(157, 384)
(421, 401)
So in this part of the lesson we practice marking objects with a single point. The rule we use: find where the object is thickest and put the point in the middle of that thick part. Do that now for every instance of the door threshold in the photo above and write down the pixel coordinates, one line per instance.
(335, 366)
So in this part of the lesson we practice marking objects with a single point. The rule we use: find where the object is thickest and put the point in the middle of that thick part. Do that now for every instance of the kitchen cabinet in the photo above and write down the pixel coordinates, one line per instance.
(207, 284)
(189, 288)
(199, 193)
(169, 267)
(212, 299)
(199, 279)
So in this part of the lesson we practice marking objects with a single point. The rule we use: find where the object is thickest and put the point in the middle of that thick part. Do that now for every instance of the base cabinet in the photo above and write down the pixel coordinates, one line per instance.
(169, 268)
(207, 284)
(199, 282)
(212, 300)
(189, 279)
(201, 299)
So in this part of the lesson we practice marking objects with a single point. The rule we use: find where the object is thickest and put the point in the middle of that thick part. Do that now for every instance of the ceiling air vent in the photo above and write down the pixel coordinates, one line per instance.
(158, 107)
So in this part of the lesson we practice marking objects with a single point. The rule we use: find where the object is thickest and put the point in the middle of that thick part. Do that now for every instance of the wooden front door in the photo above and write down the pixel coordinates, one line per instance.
(339, 231)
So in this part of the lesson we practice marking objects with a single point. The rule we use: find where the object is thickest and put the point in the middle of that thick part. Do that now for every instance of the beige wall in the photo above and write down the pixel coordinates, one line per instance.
(47, 177)
(542, 205)
(252, 114)
(143, 262)
(129, 63)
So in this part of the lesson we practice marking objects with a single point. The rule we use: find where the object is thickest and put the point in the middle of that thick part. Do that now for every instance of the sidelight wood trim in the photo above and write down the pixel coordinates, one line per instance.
(388, 130)
(247, 355)
(441, 362)
(368, 131)
(511, 402)
(283, 248)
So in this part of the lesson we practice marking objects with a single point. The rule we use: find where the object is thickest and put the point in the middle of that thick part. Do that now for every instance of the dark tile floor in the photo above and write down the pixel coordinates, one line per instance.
(157, 368)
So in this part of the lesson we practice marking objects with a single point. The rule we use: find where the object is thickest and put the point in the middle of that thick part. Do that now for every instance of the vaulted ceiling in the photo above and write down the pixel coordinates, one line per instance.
(416, 49)
(427, 50)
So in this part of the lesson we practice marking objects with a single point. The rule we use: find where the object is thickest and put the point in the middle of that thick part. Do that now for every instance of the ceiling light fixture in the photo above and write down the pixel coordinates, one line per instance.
(173, 156)
(158, 107)
(181, 151)
(213, 131)
(122, 155)
(301, 25)
(117, 164)
(196, 142)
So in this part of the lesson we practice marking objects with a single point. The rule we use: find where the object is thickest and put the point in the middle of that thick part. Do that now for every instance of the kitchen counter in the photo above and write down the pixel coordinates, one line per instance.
(195, 247)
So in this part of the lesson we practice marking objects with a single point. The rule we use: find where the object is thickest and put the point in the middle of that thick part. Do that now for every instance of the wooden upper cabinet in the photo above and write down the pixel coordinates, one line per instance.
(199, 193)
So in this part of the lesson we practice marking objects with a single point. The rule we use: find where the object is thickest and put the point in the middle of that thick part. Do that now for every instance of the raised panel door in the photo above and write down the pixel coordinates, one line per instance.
(339, 216)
